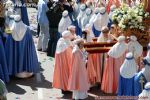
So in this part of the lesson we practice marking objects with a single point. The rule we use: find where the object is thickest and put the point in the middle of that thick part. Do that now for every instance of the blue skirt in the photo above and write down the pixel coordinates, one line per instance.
(21, 55)
(126, 86)
(78, 29)
(96, 32)
(4, 75)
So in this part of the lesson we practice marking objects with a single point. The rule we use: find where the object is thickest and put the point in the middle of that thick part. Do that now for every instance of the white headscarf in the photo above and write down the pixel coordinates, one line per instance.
(91, 21)
(18, 28)
(86, 18)
(128, 68)
(112, 8)
(102, 19)
(135, 46)
(145, 93)
(81, 14)
(65, 22)
(119, 48)
(64, 42)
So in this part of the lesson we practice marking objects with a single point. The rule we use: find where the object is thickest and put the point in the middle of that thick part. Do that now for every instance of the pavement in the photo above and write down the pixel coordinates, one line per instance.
(39, 87)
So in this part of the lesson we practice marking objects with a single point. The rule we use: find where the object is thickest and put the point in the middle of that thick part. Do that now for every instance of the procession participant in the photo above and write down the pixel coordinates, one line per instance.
(127, 74)
(44, 26)
(72, 29)
(87, 33)
(62, 68)
(4, 75)
(64, 23)
(145, 93)
(86, 18)
(78, 80)
(105, 36)
(112, 8)
(143, 76)
(79, 18)
(20, 51)
(101, 20)
(96, 11)
(95, 62)
(113, 62)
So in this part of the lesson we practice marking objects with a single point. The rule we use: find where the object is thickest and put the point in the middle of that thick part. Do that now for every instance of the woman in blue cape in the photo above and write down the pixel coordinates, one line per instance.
(127, 74)
(4, 75)
(20, 50)
(79, 18)
(101, 20)
(143, 76)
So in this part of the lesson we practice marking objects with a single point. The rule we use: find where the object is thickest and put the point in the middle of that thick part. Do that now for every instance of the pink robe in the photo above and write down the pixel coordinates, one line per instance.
(78, 79)
(111, 74)
(94, 68)
(62, 69)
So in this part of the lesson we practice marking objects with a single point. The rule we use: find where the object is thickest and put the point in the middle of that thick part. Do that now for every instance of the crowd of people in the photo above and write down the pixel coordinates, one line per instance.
(63, 28)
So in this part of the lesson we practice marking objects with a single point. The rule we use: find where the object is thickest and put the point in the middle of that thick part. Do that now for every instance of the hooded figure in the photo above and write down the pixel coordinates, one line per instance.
(135, 47)
(79, 18)
(119, 48)
(78, 80)
(145, 93)
(20, 50)
(112, 8)
(143, 76)
(62, 68)
(97, 10)
(64, 23)
(86, 18)
(113, 61)
(101, 20)
(127, 74)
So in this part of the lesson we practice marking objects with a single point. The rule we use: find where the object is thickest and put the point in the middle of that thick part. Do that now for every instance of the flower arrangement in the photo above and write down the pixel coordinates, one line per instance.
(127, 17)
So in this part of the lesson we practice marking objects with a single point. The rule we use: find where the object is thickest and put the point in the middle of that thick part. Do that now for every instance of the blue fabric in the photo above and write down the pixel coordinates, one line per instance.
(96, 32)
(78, 29)
(42, 17)
(126, 86)
(4, 75)
(24, 14)
(110, 23)
(137, 84)
(21, 55)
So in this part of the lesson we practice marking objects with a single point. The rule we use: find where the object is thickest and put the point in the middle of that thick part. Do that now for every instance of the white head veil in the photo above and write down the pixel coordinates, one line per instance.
(18, 28)
(102, 19)
(112, 8)
(86, 18)
(64, 23)
(119, 48)
(81, 14)
(128, 68)
(97, 10)
(135, 46)
(64, 42)
(145, 93)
